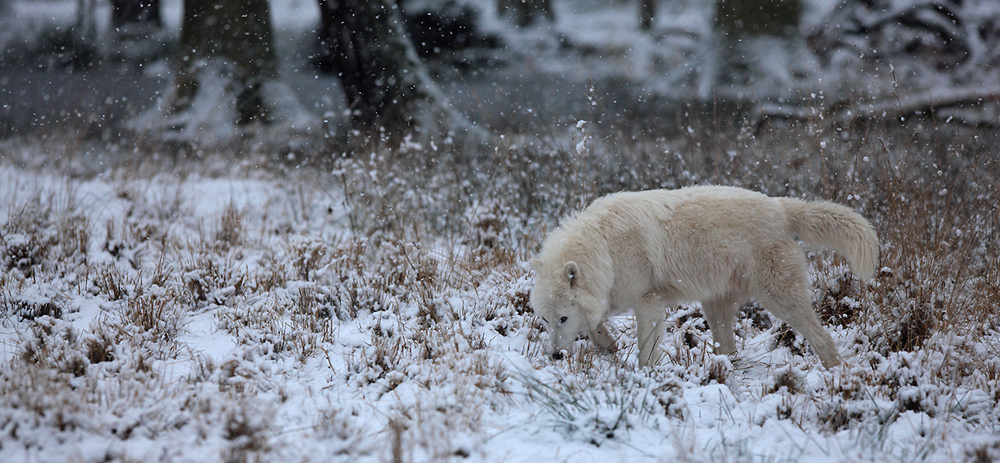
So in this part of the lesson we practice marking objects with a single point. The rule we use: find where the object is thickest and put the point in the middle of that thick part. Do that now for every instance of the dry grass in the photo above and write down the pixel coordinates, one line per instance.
(406, 299)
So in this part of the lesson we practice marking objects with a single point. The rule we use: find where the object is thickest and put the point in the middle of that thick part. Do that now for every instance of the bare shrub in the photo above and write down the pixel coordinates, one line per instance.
(130, 239)
(230, 231)
(381, 363)
(54, 344)
(792, 380)
(307, 255)
(100, 345)
(115, 283)
(299, 326)
(312, 312)
(73, 233)
(345, 429)
(151, 321)
(983, 452)
(26, 239)
(839, 303)
(32, 309)
(270, 275)
(599, 405)
(46, 396)
(212, 279)
(247, 432)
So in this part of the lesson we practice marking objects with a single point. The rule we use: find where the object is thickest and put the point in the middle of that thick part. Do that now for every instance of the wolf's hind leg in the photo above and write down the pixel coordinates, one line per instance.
(787, 296)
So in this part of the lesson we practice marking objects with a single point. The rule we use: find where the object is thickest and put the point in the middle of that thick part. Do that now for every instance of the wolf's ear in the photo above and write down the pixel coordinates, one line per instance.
(572, 273)
(536, 264)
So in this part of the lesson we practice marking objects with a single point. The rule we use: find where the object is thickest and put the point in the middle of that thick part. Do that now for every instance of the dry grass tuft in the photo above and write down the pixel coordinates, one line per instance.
(247, 432)
(230, 232)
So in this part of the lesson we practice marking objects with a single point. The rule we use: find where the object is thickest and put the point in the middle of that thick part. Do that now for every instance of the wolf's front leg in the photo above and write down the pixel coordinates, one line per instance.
(603, 340)
(649, 321)
(721, 316)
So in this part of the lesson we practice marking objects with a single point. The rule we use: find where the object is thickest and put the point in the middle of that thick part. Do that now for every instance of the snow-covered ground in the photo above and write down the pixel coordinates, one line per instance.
(152, 312)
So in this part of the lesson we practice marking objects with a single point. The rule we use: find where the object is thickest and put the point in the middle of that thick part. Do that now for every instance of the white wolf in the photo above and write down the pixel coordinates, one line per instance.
(718, 245)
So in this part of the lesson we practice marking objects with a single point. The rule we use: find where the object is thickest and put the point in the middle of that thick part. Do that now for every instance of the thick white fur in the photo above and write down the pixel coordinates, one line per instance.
(645, 251)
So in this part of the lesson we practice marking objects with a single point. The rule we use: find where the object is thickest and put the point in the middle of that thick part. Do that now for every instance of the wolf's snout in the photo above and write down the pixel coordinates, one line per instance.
(557, 355)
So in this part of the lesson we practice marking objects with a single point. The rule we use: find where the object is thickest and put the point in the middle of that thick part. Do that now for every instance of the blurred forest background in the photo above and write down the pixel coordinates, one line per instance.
(311, 72)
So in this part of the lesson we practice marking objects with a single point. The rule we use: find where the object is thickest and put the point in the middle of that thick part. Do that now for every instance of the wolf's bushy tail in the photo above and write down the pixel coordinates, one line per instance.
(836, 227)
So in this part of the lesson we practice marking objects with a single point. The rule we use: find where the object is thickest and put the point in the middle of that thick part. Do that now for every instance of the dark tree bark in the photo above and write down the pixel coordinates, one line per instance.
(226, 85)
(234, 35)
(647, 14)
(86, 20)
(736, 22)
(743, 18)
(527, 12)
(386, 84)
(145, 13)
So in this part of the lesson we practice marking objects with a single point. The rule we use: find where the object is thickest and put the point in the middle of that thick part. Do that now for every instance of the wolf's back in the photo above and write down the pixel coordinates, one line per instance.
(836, 227)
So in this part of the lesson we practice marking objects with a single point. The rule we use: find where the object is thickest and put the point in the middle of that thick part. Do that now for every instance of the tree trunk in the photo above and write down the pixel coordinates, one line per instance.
(729, 54)
(386, 84)
(86, 20)
(647, 14)
(232, 38)
(144, 13)
(744, 18)
(226, 84)
(527, 12)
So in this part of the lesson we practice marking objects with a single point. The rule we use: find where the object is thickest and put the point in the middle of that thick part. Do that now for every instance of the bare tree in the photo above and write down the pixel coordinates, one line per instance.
(386, 84)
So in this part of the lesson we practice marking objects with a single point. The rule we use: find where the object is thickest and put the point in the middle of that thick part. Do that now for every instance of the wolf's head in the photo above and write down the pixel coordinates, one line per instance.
(559, 297)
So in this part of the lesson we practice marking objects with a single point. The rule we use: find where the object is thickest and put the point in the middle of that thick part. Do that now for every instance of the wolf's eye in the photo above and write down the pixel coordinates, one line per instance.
(544, 320)
(563, 320)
